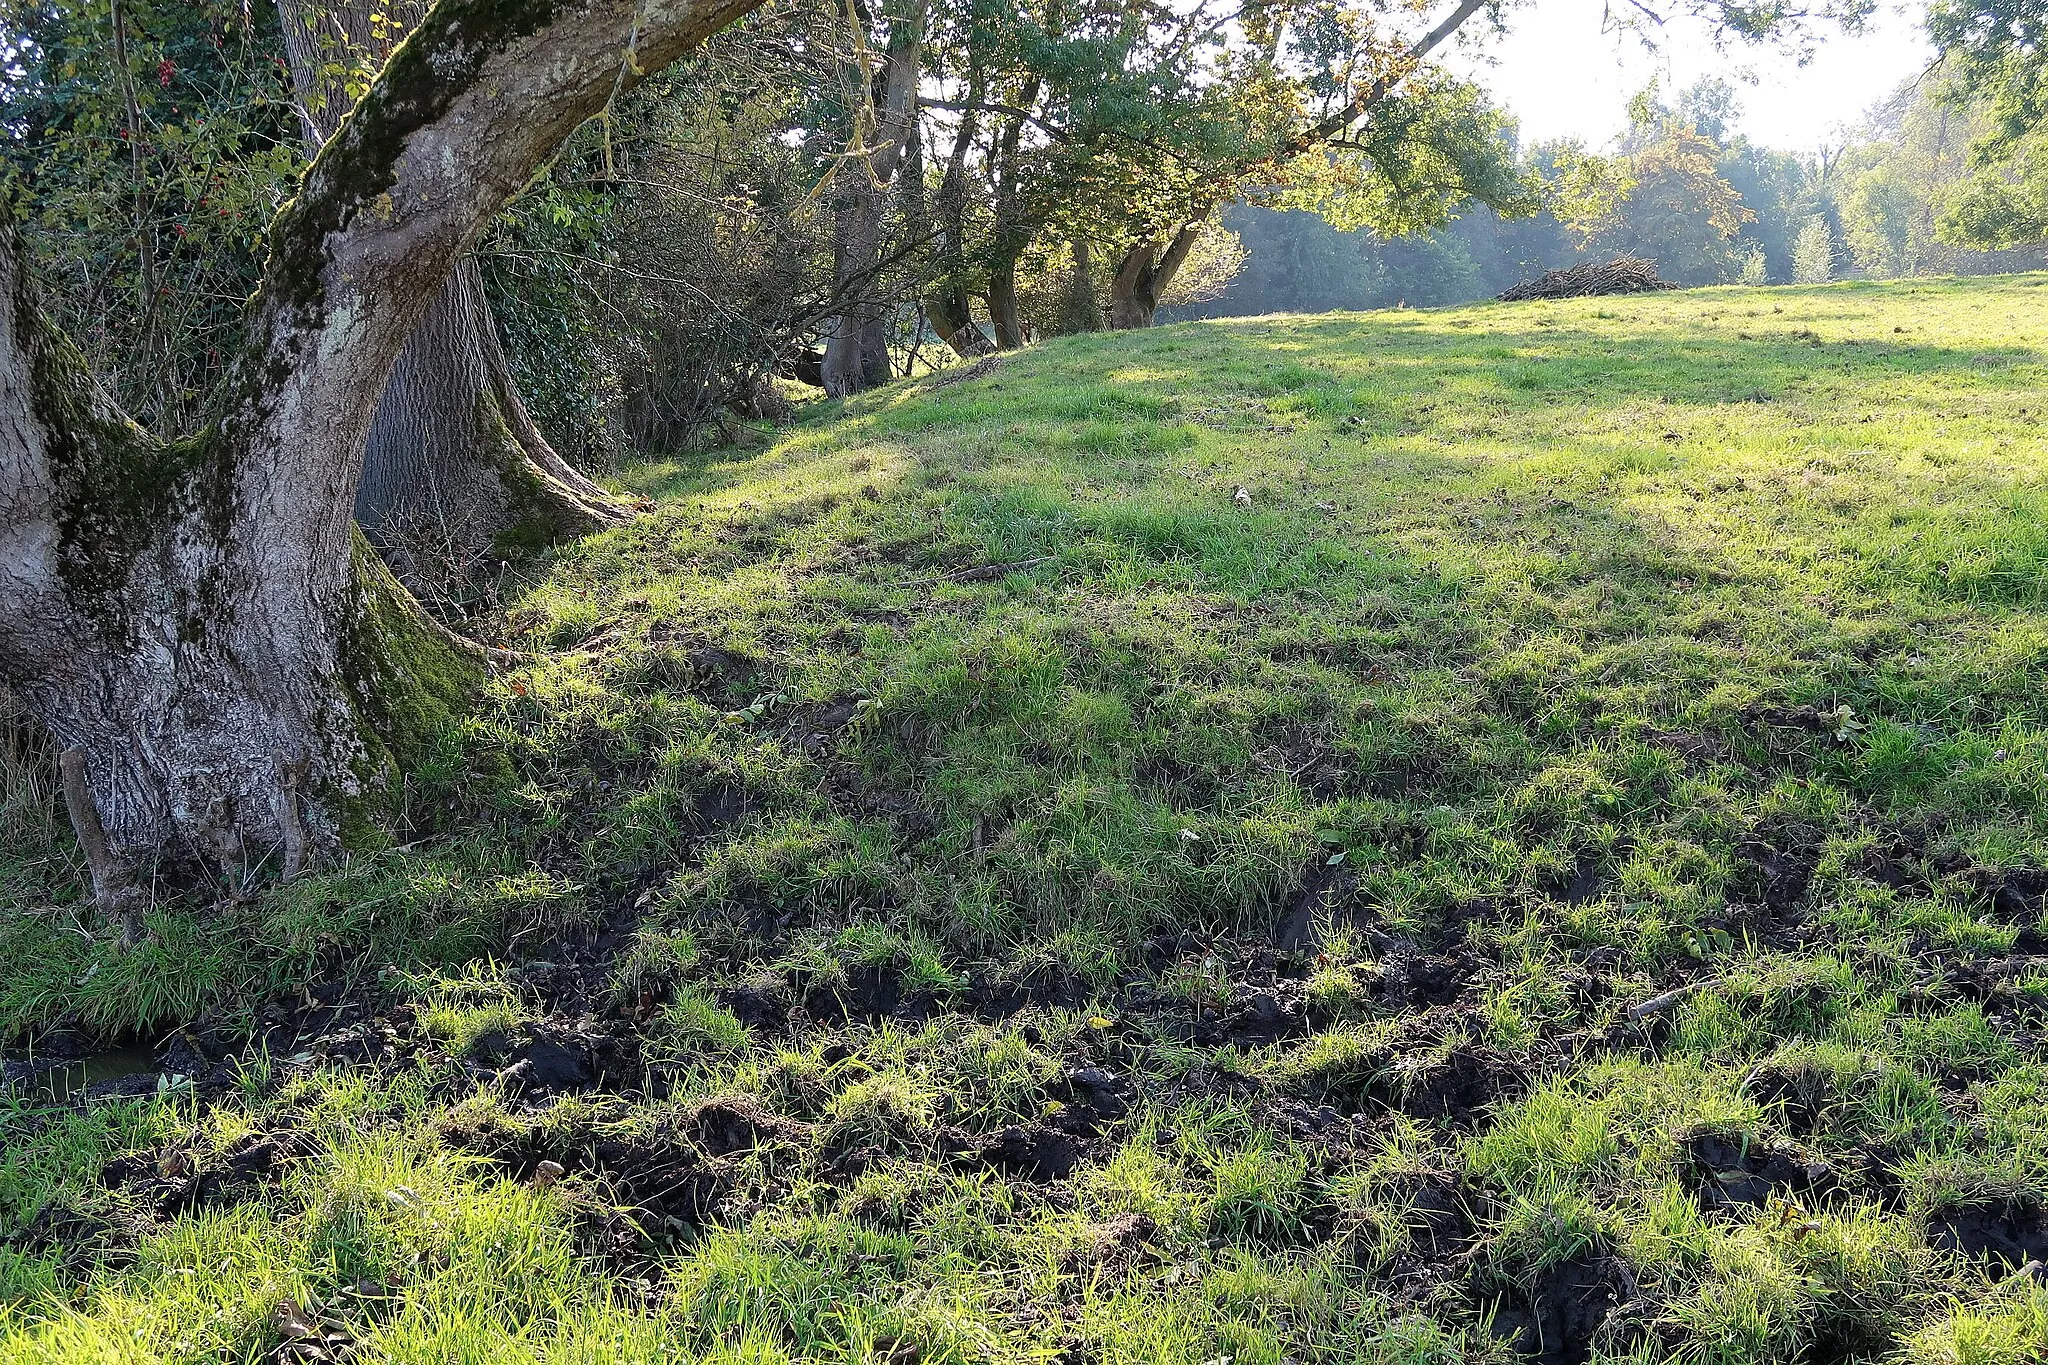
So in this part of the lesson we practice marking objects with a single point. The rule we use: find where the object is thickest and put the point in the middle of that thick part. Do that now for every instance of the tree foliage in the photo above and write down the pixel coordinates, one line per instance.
(677, 250)
(1995, 55)
(1672, 204)
(148, 144)
(1813, 254)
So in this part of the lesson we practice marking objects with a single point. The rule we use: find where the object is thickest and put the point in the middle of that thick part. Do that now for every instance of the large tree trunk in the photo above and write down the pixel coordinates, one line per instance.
(1002, 306)
(949, 307)
(194, 620)
(1011, 231)
(857, 337)
(454, 469)
(1143, 275)
(1130, 306)
(856, 227)
(224, 673)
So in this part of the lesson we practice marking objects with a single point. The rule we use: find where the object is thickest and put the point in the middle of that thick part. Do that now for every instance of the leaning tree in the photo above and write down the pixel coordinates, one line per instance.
(197, 621)
(1101, 124)
(453, 465)
(1343, 96)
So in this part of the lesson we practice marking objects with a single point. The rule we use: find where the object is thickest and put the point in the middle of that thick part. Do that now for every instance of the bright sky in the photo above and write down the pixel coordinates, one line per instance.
(1563, 77)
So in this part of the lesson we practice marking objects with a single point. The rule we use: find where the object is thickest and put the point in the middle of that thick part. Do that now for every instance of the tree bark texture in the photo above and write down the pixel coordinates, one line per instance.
(198, 619)
(856, 224)
(453, 467)
(1143, 275)
(1003, 314)
(949, 308)
(857, 337)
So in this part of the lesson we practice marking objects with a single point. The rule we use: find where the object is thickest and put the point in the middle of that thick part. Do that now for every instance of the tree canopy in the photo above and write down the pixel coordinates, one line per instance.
(1995, 59)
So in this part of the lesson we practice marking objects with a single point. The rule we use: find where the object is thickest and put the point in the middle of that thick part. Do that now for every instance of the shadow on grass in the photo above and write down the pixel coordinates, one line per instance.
(1447, 570)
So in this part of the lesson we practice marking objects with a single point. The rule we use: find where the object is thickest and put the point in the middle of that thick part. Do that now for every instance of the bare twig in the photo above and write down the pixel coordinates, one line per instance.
(1657, 1004)
(977, 573)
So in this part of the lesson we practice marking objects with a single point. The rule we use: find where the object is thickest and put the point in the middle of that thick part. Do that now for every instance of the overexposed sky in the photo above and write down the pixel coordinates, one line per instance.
(1563, 77)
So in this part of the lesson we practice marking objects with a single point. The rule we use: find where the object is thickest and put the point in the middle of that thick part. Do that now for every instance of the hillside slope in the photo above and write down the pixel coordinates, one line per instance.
(1415, 836)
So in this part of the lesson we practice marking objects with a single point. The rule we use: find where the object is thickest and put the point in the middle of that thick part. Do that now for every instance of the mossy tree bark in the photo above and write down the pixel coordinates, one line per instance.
(193, 619)
(453, 467)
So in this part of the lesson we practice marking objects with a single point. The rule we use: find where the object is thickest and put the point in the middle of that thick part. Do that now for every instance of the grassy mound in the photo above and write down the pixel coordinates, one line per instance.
(1415, 837)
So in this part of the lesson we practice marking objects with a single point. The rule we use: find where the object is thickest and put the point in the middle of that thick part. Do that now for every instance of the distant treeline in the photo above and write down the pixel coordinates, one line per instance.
(834, 196)
(1708, 205)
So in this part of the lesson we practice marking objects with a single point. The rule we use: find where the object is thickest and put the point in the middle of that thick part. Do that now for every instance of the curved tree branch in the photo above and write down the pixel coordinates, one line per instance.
(480, 94)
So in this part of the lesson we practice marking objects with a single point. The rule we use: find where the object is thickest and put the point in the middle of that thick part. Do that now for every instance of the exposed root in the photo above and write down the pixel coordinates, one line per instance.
(296, 847)
(114, 890)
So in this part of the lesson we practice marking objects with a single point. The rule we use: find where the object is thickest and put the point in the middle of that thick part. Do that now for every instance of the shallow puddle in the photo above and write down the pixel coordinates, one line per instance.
(60, 1083)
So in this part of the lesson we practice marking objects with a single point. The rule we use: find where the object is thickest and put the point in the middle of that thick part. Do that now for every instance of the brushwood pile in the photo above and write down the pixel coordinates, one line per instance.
(1622, 275)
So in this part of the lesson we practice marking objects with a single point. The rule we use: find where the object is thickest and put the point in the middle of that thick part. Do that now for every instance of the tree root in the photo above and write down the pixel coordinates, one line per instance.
(114, 891)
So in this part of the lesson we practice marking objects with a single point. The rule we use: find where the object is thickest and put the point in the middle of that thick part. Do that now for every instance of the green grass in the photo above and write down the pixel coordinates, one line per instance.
(974, 738)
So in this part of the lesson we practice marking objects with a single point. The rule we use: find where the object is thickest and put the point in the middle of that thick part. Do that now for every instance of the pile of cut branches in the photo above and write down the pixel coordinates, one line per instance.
(1622, 275)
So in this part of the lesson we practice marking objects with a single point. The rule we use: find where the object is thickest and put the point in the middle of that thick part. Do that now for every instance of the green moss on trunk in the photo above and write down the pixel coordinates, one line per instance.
(411, 681)
(118, 487)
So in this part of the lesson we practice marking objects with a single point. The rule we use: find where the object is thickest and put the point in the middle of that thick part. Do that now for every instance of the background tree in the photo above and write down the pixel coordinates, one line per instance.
(1048, 105)
(1330, 74)
(1911, 154)
(1671, 202)
(1995, 55)
(1780, 192)
(1122, 135)
(1883, 195)
(1338, 114)
(1813, 255)
(884, 119)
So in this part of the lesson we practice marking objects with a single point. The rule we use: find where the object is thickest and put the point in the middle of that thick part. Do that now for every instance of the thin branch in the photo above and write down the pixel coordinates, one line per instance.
(1052, 131)
(1361, 103)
